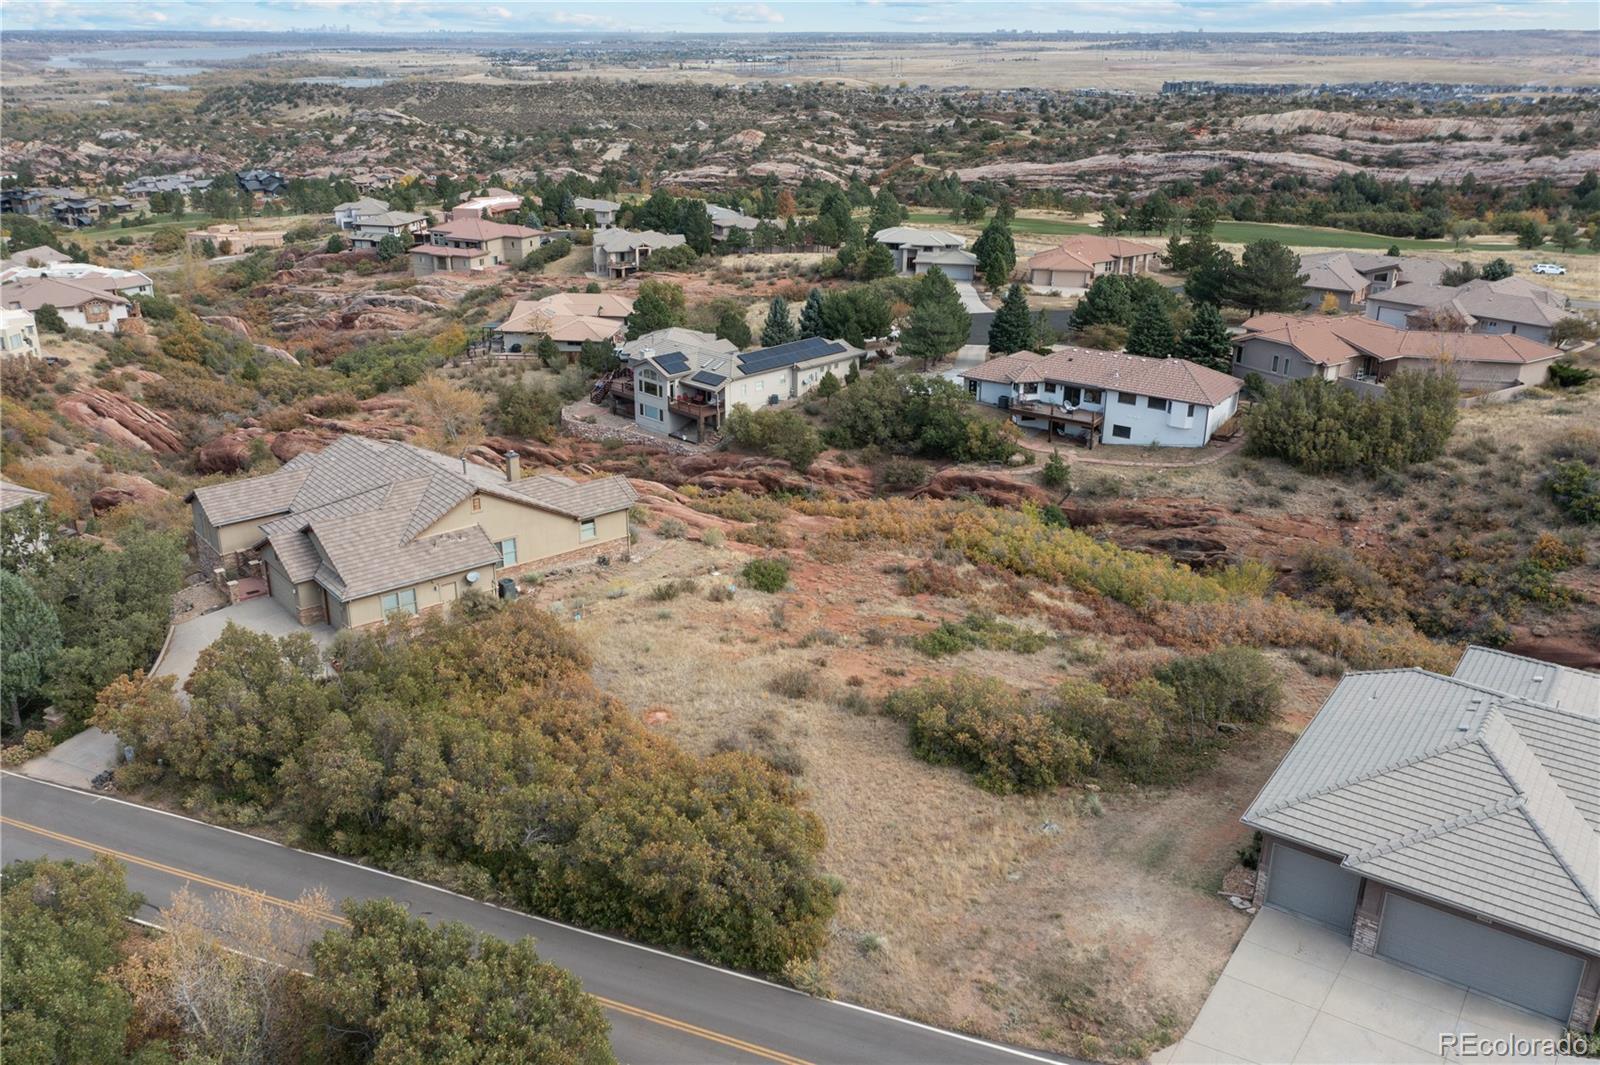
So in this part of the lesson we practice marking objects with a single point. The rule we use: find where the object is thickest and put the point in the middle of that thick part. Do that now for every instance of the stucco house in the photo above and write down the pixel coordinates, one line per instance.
(570, 319)
(1107, 397)
(370, 229)
(492, 203)
(229, 239)
(19, 334)
(1351, 276)
(910, 244)
(958, 264)
(1452, 825)
(724, 220)
(1509, 305)
(1077, 261)
(681, 381)
(618, 253)
(84, 303)
(604, 211)
(345, 214)
(364, 529)
(468, 241)
(1282, 347)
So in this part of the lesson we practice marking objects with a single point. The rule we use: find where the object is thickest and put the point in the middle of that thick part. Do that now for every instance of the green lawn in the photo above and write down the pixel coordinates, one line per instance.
(1242, 233)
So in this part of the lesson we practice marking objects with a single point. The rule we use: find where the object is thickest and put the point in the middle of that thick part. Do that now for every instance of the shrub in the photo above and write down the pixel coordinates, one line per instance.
(900, 475)
(539, 258)
(766, 574)
(782, 434)
(1234, 684)
(794, 683)
(1565, 374)
(990, 730)
(719, 593)
(672, 529)
(1575, 487)
(669, 590)
(1323, 427)
(979, 630)
(1055, 474)
(712, 537)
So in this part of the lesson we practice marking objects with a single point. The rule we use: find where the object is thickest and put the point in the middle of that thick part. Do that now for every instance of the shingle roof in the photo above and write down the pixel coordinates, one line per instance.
(1510, 299)
(1531, 679)
(31, 293)
(1331, 341)
(948, 257)
(612, 240)
(1082, 252)
(14, 495)
(919, 238)
(584, 203)
(1332, 273)
(1456, 792)
(727, 216)
(363, 205)
(1176, 379)
(370, 504)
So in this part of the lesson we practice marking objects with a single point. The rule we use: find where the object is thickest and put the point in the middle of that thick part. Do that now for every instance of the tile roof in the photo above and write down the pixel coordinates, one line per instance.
(948, 257)
(31, 293)
(1330, 341)
(918, 237)
(570, 316)
(1082, 252)
(1510, 299)
(1332, 273)
(1175, 379)
(14, 495)
(1531, 679)
(357, 513)
(1465, 795)
(474, 228)
(614, 240)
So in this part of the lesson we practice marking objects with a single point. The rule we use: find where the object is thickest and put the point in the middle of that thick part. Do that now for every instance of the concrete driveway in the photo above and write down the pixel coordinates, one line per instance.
(75, 762)
(970, 298)
(1294, 991)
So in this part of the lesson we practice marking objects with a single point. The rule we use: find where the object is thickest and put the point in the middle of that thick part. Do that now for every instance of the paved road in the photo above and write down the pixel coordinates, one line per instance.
(663, 1009)
(1060, 321)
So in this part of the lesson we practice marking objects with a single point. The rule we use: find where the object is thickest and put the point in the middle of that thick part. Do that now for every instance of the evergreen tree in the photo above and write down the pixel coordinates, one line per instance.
(335, 245)
(652, 310)
(694, 222)
(779, 329)
(811, 315)
(939, 324)
(1012, 328)
(1205, 341)
(877, 262)
(391, 248)
(1268, 278)
(1106, 303)
(1151, 334)
(886, 212)
(737, 239)
(731, 326)
(1496, 270)
(49, 319)
(996, 251)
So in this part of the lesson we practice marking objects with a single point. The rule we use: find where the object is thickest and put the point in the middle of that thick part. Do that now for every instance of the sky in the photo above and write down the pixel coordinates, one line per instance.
(736, 16)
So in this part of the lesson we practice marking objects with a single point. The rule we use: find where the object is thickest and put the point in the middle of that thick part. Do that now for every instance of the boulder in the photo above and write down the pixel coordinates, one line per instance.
(286, 446)
(276, 353)
(121, 420)
(126, 488)
(230, 323)
(228, 453)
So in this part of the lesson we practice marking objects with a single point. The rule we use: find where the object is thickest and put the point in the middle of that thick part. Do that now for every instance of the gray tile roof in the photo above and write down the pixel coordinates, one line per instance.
(1456, 792)
(1529, 678)
(356, 513)
(14, 495)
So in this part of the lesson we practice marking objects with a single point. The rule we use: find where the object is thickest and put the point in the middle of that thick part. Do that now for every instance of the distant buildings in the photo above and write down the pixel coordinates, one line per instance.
(1509, 305)
(185, 183)
(908, 243)
(468, 241)
(619, 253)
(604, 211)
(346, 214)
(229, 239)
(1351, 276)
(260, 182)
(569, 319)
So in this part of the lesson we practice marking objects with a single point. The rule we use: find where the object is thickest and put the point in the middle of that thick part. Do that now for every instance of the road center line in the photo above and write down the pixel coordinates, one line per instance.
(323, 915)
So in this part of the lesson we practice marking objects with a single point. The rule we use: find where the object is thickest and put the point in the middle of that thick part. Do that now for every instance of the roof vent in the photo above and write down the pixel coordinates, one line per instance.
(1463, 726)
(1538, 678)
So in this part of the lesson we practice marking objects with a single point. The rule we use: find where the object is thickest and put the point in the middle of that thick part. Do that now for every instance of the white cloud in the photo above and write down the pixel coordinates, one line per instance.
(584, 20)
(745, 13)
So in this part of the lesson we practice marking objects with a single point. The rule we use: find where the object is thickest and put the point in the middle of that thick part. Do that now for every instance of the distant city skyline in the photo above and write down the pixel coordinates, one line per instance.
(914, 16)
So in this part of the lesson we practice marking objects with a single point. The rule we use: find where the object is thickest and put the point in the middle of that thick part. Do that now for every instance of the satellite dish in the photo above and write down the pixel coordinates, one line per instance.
(472, 577)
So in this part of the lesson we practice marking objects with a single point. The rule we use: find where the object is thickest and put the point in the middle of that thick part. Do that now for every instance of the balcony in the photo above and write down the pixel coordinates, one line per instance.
(694, 408)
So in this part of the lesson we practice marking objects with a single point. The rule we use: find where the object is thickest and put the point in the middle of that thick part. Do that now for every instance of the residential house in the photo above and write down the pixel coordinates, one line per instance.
(958, 264)
(494, 203)
(1108, 397)
(1510, 305)
(345, 214)
(184, 183)
(724, 220)
(261, 182)
(88, 275)
(19, 336)
(1282, 347)
(13, 496)
(84, 303)
(604, 211)
(76, 212)
(468, 241)
(1077, 261)
(370, 229)
(1350, 276)
(32, 202)
(675, 379)
(366, 529)
(618, 253)
(43, 255)
(1452, 825)
(229, 239)
(908, 243)
(569, 319)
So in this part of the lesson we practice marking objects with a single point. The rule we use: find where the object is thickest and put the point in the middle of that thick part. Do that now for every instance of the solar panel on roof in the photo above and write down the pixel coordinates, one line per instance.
(673, 362)
(763, 359)
(707, 378)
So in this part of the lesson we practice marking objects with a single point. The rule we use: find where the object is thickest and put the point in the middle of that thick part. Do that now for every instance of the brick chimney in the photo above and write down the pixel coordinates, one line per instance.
(513, 466)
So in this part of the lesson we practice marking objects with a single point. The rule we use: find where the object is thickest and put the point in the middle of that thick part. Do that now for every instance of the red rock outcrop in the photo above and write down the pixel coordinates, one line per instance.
(286, 446)
(126, 488)
(121, 420)
(228, 453)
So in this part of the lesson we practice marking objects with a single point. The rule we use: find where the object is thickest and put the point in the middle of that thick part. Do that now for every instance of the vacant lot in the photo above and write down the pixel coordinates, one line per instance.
(1032, 919)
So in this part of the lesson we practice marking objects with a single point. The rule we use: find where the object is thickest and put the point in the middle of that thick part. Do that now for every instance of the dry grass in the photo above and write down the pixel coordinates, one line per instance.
(960, 908)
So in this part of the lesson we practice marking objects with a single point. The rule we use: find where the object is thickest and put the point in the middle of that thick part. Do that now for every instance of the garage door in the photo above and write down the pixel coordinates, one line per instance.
(1535, 977)
(1312, 887)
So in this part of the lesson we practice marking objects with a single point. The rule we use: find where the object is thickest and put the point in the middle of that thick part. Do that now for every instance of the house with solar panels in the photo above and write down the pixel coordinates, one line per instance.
(682, 383)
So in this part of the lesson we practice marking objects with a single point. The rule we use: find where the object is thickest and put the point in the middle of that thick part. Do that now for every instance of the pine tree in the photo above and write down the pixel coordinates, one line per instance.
(811, 315)
(877, 262)
(939, 324)
(1151, 334)
(1268, 278)
(779, 328)
(996, 251)
(1106, 303)
(1205, 341)
(1012, 328)
(694, 222)
(886, 212)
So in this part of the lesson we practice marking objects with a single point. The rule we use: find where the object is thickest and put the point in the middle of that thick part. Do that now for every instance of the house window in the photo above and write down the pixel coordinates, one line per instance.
(1191, 410)
(586, 531)
(1274, 364)
(649, 388)
(1091, 395)
(1155, 404)
(508, 552)
(1238, 354)
(1122, 432)
(1126, 398)
(477, 504)
(404, 602)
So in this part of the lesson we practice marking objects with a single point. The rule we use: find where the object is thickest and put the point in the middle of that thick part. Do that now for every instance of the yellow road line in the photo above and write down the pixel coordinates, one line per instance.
(239, 889)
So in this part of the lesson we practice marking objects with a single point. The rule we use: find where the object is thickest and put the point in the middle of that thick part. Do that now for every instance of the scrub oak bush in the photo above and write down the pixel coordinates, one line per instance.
(766, 574)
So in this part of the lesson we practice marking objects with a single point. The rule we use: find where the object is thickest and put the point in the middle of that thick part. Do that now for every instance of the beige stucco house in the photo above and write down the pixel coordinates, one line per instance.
(365, 529)
(1077, 261)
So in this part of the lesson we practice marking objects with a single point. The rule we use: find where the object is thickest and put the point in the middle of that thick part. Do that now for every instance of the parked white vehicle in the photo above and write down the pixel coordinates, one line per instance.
(1549, 268)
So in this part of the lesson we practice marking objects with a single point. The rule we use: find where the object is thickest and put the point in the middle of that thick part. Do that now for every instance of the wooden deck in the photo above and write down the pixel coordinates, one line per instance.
(1061, 417)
